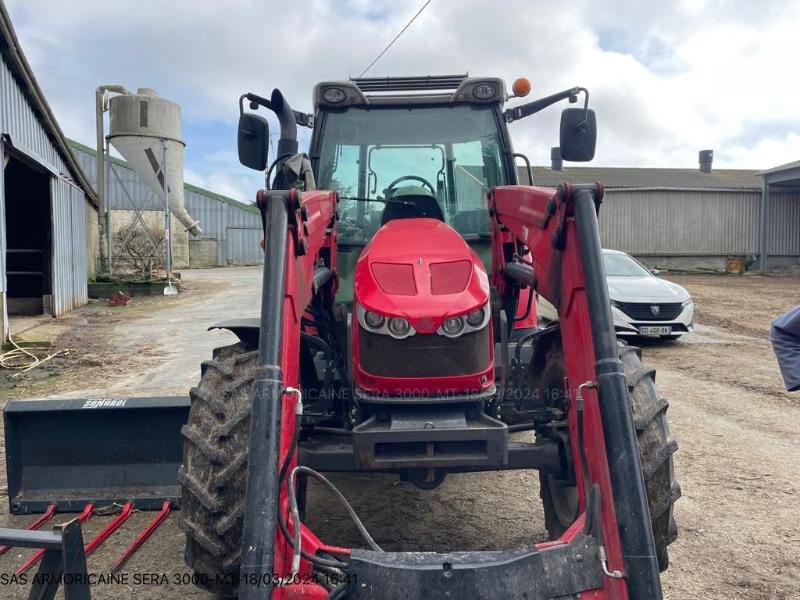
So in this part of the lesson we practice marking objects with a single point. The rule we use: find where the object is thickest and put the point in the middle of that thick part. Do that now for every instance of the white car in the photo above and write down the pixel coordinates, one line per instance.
(643, 304)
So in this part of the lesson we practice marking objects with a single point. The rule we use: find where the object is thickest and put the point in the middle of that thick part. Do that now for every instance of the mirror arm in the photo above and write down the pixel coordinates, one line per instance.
(302, 119)
(530, 108)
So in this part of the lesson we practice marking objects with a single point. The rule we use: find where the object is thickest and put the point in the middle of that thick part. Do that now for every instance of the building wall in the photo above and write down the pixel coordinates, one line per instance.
(71, 210)
(683, 223)
(69, 247)
(203, 253)
(217, 215)
(92, 240)
(709, 223)
(220, 222)
(784, 227)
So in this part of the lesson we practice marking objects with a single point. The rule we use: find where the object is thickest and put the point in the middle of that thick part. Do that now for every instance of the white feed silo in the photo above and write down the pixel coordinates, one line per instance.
(144, 128)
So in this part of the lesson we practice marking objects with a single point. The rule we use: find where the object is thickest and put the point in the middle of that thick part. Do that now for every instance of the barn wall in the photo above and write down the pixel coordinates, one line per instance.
(217, 214)
(24, 133)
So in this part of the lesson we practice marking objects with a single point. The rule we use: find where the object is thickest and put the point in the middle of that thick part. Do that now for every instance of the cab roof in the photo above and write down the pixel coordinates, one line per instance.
(402, 91)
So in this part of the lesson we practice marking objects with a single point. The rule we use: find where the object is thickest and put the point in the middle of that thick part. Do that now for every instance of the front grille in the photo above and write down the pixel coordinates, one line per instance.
(643, 311)
(424, 355)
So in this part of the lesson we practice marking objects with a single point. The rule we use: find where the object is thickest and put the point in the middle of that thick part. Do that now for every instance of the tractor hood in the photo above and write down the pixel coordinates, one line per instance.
(421, 270)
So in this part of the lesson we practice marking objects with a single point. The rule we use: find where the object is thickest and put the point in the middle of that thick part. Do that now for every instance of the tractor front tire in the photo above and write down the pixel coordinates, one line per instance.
(656, 447)
(216, 441)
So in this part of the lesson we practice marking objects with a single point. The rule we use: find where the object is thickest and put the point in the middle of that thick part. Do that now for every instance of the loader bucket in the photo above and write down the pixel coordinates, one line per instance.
(71, 452)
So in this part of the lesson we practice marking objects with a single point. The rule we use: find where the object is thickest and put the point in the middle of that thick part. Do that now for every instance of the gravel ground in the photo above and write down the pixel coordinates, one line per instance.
(736, 427)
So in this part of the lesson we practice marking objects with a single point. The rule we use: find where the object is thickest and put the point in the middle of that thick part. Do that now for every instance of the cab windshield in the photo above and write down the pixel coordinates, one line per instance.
(373, 156)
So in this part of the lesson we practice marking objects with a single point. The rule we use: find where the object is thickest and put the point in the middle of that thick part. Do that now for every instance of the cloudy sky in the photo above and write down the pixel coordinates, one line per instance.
(666, 78)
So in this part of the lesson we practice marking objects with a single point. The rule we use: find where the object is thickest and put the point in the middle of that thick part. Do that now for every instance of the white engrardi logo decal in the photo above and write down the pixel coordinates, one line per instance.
(107, 403)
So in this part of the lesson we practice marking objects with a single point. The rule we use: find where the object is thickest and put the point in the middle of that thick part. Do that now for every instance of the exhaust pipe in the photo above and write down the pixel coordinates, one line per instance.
(287, 144)
(556, 162)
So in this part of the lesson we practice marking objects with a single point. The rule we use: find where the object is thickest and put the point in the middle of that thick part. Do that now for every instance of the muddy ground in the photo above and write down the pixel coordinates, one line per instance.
(736, 427)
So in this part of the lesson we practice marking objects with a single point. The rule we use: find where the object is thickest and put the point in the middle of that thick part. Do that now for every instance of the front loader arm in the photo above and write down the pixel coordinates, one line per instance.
(299, 261)
(559, 227)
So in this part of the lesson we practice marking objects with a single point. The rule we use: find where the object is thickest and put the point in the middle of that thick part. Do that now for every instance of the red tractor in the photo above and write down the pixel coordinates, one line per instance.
(399, 333)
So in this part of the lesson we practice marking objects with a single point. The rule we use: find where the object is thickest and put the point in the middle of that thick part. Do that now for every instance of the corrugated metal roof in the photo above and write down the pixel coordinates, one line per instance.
(780, 168)
(650, 178)
(18, 65)
(187, 186)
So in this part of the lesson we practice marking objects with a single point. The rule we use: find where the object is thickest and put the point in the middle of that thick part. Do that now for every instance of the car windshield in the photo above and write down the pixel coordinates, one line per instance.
(450, 154)
(622, 265)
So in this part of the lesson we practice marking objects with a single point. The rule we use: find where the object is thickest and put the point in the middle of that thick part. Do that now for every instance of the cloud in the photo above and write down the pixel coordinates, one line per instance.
(666, 79)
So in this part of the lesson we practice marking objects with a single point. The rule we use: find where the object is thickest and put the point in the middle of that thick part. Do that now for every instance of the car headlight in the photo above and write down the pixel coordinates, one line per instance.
(686, 302)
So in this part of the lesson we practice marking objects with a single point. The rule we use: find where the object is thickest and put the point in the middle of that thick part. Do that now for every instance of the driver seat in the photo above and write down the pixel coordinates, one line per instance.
(415, 204)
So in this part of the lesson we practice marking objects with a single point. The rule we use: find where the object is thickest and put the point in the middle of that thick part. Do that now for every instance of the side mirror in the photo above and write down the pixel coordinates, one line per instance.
(655, 272)
(253, 140)
(578, 134)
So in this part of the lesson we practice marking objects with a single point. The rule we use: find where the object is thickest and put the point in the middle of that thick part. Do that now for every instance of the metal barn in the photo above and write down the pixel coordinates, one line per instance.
(695, 219)
(231, 229)
(48, 212)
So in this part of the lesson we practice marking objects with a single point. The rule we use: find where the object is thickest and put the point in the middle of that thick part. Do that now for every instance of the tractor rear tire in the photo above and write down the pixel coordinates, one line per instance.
(216, 440)
(656, 447)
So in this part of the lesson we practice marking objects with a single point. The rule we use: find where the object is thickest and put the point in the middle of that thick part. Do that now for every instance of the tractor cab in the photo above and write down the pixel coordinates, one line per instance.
(413, 147)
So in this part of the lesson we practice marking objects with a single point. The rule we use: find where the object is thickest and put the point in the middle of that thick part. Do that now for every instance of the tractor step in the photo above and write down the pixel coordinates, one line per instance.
(72, 452)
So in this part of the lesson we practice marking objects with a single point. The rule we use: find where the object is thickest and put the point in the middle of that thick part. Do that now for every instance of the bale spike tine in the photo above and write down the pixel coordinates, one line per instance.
(36, 524)
(101, 537)
(143, 536)
(82, 518)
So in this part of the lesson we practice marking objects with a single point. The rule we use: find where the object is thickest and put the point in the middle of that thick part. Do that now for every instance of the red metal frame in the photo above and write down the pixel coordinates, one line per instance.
(313, 237)
(532, 216)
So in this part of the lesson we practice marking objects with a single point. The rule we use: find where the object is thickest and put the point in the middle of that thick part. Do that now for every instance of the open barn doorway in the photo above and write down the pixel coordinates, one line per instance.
(28, 225)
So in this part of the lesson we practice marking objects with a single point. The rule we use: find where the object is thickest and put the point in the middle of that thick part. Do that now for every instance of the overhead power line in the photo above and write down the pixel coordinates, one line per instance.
(402, 31)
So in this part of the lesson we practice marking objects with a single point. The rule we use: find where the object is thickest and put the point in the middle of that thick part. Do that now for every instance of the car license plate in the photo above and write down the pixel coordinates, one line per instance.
(653, 330)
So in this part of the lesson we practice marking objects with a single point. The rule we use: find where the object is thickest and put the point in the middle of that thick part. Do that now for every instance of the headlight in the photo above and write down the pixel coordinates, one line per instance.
(473, 321)
(398, 327)
(686, 302)
(484, 91)
(453, 326)
(475, 318)
(334, 95)
(373, 320)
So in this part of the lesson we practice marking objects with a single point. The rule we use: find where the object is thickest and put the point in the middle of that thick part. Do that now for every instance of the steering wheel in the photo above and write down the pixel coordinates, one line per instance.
(422, 180)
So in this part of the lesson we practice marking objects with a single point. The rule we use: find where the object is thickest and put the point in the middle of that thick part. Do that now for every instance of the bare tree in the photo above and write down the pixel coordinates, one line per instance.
(139, 251)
